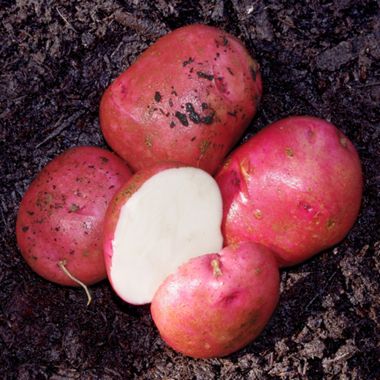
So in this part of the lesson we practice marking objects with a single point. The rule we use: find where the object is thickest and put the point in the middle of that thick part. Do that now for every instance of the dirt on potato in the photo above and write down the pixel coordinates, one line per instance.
(317, 57)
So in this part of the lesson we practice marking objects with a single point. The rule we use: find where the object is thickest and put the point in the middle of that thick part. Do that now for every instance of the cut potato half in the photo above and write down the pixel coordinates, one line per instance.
(173, 215)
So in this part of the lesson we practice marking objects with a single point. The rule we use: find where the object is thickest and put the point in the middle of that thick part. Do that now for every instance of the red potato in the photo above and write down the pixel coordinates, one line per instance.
(60, 219)
(163, 216)
(188, 98)
(295, 187)
(215, 304)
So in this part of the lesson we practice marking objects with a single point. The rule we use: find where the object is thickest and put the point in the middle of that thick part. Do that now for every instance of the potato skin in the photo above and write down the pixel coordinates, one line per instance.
(61, 214)
(295, 187)
(119, 199)
(188, 98)
(215, 304)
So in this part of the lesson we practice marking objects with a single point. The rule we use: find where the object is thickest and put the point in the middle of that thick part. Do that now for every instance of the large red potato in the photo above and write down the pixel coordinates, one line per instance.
(216, 304)
(60, 219)
(187, 98)
(160, 218)
(295, 187)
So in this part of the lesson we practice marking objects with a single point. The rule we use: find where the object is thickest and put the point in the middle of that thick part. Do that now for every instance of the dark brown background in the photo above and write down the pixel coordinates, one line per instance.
(317, 57)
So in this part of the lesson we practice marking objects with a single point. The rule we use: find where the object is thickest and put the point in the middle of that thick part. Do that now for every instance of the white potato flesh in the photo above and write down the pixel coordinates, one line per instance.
(174, 216)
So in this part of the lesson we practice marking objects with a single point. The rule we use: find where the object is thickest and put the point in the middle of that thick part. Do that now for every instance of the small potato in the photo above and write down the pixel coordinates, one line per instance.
(188, 98)
(295, 187)
(215, 304)
(60, 219)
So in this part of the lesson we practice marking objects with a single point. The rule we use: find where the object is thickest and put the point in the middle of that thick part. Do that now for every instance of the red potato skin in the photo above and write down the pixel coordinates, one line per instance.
(205, 310)
(119, 199)
(188, 98)
(61, 214)
(295, 187)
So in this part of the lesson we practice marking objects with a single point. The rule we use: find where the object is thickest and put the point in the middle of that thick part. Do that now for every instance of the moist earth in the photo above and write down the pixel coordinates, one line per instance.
(318, 58)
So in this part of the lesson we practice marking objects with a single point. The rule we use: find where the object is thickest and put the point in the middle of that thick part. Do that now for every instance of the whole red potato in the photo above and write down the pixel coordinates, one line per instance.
(215, 304)
(188, 98)
(295, 187)
(60, 219)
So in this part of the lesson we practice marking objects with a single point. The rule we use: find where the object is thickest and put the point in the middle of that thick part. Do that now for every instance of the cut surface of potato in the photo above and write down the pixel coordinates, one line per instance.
(175, 215)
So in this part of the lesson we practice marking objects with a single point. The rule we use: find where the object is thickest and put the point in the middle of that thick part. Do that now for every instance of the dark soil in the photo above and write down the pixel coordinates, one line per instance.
(57, 57)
